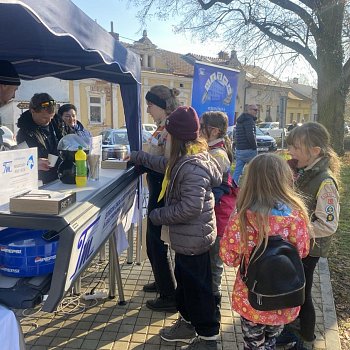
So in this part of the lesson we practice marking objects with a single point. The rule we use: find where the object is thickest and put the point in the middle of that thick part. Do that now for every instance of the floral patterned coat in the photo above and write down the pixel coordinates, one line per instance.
(292, 227)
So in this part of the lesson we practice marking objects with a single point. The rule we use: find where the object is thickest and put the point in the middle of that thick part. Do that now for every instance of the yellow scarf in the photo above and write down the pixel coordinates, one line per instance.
(191, 149)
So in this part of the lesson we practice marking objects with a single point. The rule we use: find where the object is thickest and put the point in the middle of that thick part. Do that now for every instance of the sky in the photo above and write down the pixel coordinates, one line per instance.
(161, 34)
(129, 28)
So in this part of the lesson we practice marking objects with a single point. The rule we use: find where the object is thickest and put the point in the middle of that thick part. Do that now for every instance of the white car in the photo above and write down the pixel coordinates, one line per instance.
(272, 128)
(7, 139)
(146, 127)
(149, 127)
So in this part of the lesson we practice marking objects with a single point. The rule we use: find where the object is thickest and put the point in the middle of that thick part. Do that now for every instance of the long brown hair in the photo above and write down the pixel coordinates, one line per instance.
(180, 148)
(218, 120)
(313, 134)
(267, 182)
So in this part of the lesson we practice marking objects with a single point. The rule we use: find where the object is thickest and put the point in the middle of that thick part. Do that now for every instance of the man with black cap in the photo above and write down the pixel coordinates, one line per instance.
(9, 82)
(37, 129)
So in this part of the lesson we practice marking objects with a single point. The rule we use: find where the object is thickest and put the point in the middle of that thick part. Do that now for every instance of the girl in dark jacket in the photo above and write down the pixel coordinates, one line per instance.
(190, 175)
(214, 129)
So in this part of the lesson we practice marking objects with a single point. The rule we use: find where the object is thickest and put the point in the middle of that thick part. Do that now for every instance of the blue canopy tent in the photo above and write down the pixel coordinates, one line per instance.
(56, 39)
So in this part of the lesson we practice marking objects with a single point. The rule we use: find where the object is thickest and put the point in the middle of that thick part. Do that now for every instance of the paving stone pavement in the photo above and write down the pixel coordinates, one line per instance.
(104, 324)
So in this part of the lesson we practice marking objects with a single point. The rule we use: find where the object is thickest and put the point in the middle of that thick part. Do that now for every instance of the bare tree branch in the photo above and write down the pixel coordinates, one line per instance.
(208, 5)
(305, 51)
(304, 15)
(309, 3)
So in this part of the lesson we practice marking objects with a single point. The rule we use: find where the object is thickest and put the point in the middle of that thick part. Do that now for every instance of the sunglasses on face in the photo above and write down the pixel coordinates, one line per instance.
(47, 104)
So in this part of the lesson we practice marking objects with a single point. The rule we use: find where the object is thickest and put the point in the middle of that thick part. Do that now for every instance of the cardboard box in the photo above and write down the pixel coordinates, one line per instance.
(114, 164)
(42, 202)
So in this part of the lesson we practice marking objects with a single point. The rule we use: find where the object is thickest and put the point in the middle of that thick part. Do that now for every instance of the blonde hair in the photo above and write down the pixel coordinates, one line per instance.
(218, 120)
(313, 134)
(167, 95)
(267, 182)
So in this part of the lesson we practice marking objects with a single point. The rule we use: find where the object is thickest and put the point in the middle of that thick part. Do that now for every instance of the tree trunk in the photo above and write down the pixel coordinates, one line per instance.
(331, 89)
(331, 104)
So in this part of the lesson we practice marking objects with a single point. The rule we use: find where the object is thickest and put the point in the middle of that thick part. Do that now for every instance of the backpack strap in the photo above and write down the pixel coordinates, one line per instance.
(244, 269)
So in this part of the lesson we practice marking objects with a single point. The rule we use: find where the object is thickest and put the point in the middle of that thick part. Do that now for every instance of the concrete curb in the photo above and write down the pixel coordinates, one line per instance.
(329, 315)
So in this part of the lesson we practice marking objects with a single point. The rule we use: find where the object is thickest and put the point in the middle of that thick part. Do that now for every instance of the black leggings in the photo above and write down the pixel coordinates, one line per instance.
(158, 252)
(307, 313)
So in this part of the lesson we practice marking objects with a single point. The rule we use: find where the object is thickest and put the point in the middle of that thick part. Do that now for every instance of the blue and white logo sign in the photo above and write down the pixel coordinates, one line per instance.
(214, 89)
(30, 162)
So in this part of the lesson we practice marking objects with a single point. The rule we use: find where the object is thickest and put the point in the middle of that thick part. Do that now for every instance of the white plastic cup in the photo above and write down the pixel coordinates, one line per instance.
(94, 163)
(52, 160)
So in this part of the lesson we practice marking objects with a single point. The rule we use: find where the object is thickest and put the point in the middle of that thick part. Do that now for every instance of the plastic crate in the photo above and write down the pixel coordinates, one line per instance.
(24, 253)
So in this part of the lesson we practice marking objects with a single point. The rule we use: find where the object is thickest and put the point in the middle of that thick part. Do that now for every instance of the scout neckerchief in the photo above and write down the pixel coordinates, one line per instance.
(191, 150)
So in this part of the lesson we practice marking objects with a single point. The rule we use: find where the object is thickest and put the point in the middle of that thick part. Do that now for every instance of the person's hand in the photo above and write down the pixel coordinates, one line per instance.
(43, 164)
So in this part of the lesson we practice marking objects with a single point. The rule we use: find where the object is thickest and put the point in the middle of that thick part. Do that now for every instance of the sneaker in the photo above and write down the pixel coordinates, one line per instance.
(165, 304)
(299, 345)
(286, 338)
(201, 344)
(308, 345)
(150, 287)
(179, 331)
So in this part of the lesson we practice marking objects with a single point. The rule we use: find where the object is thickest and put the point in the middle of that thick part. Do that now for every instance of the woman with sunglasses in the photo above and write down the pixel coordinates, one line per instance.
(37, 129)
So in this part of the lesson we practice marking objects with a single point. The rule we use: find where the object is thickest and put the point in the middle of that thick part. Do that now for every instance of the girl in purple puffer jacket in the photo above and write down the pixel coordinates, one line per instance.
(190, 175)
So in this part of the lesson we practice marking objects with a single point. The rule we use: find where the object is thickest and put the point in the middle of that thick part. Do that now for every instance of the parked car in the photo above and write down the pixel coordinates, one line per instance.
(115, 138)
(272, 128)
(147, 127)
(8, 139)
(265, 143)
(288, 126)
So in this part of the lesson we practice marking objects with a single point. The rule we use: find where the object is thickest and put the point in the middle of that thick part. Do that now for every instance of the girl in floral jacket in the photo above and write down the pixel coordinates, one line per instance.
(267, 205)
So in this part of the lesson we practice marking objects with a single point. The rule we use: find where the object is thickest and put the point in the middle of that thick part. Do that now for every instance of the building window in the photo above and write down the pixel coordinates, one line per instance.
(306, 117)
(95, 110)
(298, 117)
(291, 116)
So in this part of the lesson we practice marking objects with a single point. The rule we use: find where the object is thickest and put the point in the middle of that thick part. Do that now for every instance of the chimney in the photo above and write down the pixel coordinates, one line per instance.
(144, 34)
(234, 55)
(112, 31)
(295, 81)
(223, 55)
(234, 59)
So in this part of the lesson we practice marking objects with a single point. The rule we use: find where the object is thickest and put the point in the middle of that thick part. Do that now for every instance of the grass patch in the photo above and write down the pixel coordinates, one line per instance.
(339, 258)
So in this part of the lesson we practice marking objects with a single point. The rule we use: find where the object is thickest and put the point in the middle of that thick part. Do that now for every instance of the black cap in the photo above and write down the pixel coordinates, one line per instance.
(8, 74)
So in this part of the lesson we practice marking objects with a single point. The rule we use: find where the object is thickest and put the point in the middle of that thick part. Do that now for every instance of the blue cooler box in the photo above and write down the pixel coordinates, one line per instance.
(24, 253)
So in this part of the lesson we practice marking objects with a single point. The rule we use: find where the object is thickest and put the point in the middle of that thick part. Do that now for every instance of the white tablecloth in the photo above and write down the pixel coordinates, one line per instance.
(10, 332)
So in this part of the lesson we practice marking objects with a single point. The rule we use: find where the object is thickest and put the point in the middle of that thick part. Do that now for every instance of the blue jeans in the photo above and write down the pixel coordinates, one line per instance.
(243, 156)
(217, 266)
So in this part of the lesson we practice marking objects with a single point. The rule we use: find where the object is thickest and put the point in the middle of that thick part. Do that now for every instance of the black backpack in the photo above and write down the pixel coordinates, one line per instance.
(275, 277)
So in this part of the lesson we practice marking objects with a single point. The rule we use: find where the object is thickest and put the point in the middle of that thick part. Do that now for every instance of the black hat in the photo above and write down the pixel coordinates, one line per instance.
(8, 74)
